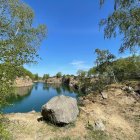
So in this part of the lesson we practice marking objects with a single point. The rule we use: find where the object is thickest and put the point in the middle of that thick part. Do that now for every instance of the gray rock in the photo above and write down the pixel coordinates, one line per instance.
(60, 110)
(99, 125)
(104, 95)
(128, 89)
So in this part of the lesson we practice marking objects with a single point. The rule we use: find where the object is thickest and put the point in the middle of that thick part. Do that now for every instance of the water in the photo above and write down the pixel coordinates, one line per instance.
(32, 98)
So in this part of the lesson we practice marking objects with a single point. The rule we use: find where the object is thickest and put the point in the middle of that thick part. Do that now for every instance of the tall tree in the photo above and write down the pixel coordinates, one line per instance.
(59, 75)
(125, 20)
(19, 40)
(104, 62)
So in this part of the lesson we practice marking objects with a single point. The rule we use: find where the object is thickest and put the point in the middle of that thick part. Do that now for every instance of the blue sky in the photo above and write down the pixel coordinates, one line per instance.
(73, 34)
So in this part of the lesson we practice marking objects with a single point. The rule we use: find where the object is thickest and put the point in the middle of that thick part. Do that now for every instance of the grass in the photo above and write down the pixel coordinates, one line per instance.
(66, 138)
(4, 134)
(97, 135)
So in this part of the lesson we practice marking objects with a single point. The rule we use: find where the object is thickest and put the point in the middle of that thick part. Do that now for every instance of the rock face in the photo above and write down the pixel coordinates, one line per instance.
(54, 80)
(23, 81)
(60, 110)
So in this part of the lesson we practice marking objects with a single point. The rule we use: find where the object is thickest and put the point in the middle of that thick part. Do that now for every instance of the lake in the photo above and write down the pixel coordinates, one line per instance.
(32, 98)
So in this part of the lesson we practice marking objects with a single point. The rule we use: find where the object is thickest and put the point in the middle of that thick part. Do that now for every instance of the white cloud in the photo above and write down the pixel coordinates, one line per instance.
(80, 65)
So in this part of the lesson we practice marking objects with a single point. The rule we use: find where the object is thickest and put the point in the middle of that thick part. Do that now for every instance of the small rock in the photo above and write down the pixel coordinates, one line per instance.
(99, 125)
(104, 95)
(128, 89)
(33, 111)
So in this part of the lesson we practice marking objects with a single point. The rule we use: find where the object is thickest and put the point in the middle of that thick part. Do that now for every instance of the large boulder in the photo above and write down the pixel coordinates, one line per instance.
(60, 110)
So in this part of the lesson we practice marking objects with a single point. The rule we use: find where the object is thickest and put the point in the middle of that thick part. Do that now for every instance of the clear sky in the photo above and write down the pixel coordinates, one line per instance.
(73, 34)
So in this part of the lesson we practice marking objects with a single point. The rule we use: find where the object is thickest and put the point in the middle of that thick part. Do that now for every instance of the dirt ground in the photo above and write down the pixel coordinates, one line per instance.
(120, 113)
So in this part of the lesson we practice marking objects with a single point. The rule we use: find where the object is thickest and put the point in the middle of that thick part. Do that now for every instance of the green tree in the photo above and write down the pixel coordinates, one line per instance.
(127, 68)
(91, 72)
(36, 77)
(125, 20)
(46, 76)
(104, 62)
(19, 41)
(59, 75)
(81, 73)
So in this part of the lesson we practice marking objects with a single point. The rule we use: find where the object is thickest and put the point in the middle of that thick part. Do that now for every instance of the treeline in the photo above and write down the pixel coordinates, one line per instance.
(122, 68)
(109, 70)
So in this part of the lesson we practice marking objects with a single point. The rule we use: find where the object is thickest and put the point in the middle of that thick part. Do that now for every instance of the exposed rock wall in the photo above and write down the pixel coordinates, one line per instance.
(54, 80)
(23, 81)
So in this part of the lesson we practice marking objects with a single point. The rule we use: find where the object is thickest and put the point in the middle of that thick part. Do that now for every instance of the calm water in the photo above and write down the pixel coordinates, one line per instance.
(32, 98)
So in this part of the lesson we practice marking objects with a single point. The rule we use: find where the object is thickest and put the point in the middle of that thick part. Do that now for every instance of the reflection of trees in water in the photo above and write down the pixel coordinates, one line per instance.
(19, 94)
(46, 87)
(67, 88)
(58, 90)
(36, 86)
(61, 88)
(57, 87)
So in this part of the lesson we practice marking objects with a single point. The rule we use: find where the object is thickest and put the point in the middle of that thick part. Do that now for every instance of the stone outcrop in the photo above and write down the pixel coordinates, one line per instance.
(23, 81)
(54, 80)
(71, 81)
(60, 110)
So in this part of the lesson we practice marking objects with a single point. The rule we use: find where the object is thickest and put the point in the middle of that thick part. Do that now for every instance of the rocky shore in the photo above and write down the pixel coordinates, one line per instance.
(112, 118)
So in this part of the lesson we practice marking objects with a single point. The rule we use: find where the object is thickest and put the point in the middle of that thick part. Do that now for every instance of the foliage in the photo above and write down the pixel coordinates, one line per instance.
(7, 75)
(19, 41)
(91, 72)
(24, 72)
(125, 20)
(46, 76)
(104, 69)
(36, 77)
(127, 68)
(4, 134)
(109, 70)
(59, 75)
(81, 73)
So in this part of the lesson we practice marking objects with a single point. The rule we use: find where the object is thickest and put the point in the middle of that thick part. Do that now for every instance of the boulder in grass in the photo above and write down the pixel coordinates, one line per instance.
(60, 110)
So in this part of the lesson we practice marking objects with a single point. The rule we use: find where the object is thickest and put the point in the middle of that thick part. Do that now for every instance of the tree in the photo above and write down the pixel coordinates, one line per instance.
(19, 41)
(81, 73)
(91, 72)
(104, 62)
(124, 20)
(59, 75)
(46, 76)
(36, 77)
(127, 68)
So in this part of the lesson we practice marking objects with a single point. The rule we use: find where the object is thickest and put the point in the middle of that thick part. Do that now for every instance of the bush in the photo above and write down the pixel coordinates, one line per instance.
(59, 75)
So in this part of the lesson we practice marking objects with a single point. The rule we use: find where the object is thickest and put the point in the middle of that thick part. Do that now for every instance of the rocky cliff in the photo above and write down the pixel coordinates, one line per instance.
(23, 81)
(54, 80)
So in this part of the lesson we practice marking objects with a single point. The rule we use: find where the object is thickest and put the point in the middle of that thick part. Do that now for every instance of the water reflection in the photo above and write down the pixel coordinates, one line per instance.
(19, 94)
(27, 98)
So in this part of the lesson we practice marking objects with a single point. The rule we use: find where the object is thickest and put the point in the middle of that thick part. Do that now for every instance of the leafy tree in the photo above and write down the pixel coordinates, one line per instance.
(46, 76)
(91, 72)
(59, 75)
(36, 77)
(19, 41)
(81, 73)
(127, 68)
(104, 63)
(125, 20)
